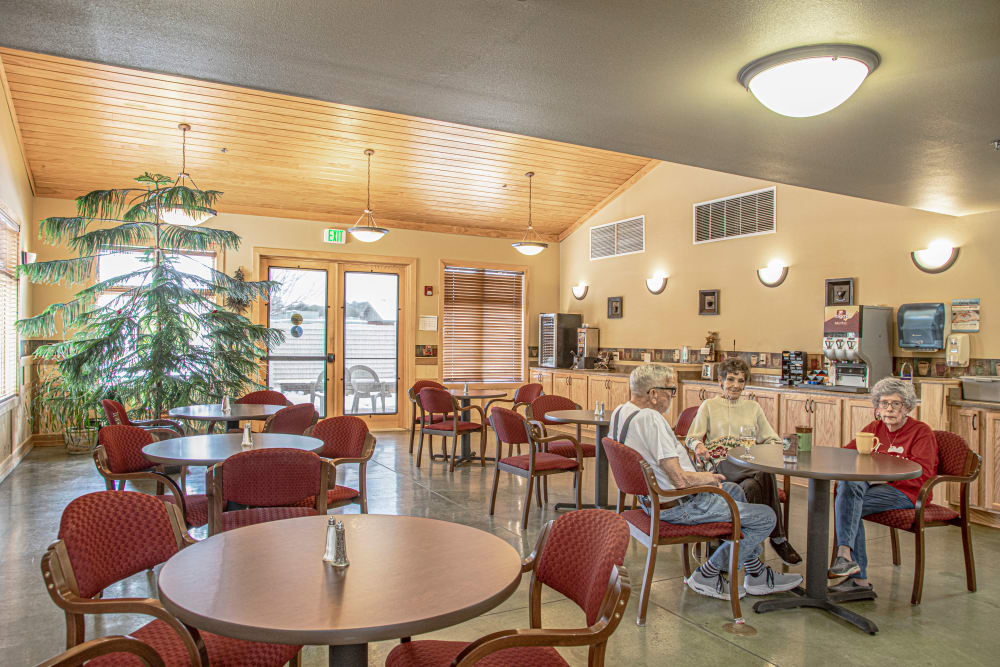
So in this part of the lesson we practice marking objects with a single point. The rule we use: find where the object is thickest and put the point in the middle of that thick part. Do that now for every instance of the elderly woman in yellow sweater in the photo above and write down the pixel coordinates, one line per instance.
(716, 428)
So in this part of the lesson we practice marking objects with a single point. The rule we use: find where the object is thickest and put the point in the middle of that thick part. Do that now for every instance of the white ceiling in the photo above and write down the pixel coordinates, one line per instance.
(656, 79)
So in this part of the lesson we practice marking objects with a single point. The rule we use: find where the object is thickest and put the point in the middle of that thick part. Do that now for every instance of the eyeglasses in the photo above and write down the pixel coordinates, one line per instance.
(672, 390)
(885, 405)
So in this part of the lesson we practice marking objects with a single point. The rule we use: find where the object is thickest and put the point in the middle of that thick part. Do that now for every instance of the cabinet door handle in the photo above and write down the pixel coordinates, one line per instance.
(974, 415)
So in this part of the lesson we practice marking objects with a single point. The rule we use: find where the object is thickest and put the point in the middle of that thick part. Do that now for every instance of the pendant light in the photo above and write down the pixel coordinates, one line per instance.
(176, 215)
(368, 231)
(524, 246)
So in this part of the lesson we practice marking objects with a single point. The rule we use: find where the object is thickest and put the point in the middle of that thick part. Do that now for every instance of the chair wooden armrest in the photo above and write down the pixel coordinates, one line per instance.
(165, 423)
(654, 489)
(535, 424)
(974, 463)
(490, 402)
(467, 408)
(161, 478)
(94, 648)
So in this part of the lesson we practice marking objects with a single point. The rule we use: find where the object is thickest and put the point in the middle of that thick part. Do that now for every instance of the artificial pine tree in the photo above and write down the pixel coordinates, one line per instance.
(164, 339)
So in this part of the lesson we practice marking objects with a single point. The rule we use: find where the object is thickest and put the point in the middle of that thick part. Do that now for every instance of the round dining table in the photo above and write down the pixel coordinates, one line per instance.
(213, 413)
(465, 400)
(600, 423)
(269, 583)
(820, 466)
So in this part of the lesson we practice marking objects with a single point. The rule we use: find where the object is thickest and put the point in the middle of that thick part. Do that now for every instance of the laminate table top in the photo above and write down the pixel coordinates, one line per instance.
(213, 412)
(268, 582)
(207, 450)
(579, 417)
(477, 393)
(831, 463)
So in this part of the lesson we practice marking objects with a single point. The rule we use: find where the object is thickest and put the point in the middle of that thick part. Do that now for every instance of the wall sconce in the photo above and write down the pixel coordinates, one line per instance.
(773, 274)
(580, 291)
(936, 257)
(657, 283)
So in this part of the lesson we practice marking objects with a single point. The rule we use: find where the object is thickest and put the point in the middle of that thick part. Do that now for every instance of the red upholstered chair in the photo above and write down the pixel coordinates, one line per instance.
(956, 463)
(512, 428)
(107, 536)
(270, 483)
(580, 555)
(345, 440)
(438, 410)
(118, 457)
(634, 476)
(116, 413)
(545, 404)
(264, 397)
(412, 395)
(684, 421)
(95, 648)
(523, 397)
(294, 419)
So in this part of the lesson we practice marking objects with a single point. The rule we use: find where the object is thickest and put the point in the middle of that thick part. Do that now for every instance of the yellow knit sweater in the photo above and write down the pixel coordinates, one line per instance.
(717, 425)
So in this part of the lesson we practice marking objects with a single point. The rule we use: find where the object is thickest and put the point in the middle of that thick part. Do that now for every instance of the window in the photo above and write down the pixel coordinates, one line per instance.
(9, 247)
(482, 328)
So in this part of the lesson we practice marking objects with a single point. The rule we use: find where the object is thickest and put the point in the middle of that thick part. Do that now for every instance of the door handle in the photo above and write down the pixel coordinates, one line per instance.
(330, 358)
(974, 415)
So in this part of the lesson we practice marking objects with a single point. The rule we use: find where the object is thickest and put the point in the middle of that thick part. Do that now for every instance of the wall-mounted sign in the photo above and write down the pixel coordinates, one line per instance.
(334, 236)
(965, 314)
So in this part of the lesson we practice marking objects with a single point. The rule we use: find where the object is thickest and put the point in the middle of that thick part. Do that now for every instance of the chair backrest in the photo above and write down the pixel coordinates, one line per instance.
(123, 445)
(343, 437)
(953, 454)
(509, 426)
(115, 412)
(579, 551)
(111, 535)
(274, 477)
(684, 421)
(363, 378)
(264, 397)
(625, 467)
(544, 404)
(420, 384)
(435, 401)
(526, 393)
(294, 419)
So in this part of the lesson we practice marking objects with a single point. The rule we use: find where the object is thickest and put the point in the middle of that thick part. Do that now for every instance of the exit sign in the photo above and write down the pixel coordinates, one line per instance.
(334, 236)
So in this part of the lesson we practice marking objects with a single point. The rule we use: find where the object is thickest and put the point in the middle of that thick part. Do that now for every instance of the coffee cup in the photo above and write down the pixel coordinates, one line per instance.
(866, 442)
(804, 434)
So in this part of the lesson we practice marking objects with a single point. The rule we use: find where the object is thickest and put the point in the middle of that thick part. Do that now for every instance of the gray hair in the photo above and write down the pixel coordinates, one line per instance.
(887, 386)
(645, 377)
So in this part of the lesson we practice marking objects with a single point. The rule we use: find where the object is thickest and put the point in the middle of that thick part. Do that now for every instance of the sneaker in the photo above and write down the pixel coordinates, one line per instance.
(769, 581)
(849, 585)
(842, 568)
(786, 553)
(713, 587)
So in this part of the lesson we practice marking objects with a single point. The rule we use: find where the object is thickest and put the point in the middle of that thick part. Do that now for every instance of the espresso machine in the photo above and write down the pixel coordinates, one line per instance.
(588, 343)
(858, 342)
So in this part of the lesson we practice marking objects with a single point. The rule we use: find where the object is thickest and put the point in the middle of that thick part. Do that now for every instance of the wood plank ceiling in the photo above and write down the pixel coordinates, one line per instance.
(86, 126)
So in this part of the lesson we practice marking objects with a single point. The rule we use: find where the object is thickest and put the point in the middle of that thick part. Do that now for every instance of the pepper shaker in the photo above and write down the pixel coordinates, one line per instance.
(247, 438)
(330, 555)
(340, 548)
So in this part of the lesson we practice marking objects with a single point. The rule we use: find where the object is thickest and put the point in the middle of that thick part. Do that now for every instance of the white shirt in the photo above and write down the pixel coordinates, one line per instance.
(651, 436)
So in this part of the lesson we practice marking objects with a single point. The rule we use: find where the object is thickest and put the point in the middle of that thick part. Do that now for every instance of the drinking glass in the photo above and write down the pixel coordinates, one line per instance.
(748, 438)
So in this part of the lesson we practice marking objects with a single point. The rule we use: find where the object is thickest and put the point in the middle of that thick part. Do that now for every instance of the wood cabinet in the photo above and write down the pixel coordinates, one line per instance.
(822, 413)
(597, 390)
(968, 423)
(768, 402)
(571, 385)
(794, 411)
(619, 394)
(543, 378)
(690, 395)
(990, 477)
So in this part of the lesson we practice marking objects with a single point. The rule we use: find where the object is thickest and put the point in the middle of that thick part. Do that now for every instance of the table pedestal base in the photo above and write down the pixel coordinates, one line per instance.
(349, 655)
(827, 604)
(566, 507)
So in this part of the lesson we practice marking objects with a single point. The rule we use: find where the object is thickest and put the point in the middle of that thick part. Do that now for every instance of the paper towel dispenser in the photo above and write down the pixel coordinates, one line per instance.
(922, 326)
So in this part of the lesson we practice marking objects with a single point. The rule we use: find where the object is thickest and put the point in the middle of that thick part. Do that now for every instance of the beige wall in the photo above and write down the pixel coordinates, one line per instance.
(819, 235)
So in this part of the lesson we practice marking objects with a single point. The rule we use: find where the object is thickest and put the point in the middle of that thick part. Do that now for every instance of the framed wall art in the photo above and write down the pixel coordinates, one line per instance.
(708, 302)
(840, 291)
(614, 307)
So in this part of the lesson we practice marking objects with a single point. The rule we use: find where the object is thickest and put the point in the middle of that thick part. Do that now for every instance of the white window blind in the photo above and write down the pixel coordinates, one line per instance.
(9, 249)
(483, 325)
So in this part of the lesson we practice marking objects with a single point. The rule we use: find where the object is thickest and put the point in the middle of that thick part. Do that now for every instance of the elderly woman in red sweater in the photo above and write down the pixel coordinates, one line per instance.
(899, 435)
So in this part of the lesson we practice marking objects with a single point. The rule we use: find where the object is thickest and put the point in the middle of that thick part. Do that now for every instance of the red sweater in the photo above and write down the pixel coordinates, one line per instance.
(915, 441)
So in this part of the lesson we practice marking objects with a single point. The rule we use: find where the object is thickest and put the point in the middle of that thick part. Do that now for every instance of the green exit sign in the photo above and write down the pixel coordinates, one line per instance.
(335, 235)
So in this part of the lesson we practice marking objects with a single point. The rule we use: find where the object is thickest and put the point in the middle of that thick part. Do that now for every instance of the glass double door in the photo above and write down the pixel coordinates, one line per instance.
(342, 338)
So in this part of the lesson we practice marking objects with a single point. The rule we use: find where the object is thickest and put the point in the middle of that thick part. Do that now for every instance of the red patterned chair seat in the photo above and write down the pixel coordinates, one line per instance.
(249, 517)
(565, 448)
(543, 461)
(221, 650)
(197, 507)
(782, 498)
(640, 520)
(338, 494)
(904, 519)
(448, 424)
(429, 652)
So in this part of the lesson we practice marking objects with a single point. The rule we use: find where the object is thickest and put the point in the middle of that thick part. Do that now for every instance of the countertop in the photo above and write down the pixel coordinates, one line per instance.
(618, 372)
(975, 405)
(780, 388)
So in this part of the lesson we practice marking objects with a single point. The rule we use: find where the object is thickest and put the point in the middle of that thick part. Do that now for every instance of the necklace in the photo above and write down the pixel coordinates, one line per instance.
(895, 433)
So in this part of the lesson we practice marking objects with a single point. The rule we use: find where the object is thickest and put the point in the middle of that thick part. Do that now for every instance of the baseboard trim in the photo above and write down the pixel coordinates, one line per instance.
(15, 457)
(48, 440)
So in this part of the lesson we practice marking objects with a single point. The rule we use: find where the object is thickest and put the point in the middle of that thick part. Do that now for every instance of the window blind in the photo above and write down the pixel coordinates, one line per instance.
(9, 248)
(483, 325)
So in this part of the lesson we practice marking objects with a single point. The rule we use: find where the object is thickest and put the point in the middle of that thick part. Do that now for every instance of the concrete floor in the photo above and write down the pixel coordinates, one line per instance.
(951, 626)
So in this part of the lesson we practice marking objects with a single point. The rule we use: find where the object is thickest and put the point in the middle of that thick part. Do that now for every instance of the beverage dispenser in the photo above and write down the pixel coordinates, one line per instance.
(858, 342)
(588, 343)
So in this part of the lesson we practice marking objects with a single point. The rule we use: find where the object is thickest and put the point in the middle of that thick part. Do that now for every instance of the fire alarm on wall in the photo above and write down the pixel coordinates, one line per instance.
(428, 290)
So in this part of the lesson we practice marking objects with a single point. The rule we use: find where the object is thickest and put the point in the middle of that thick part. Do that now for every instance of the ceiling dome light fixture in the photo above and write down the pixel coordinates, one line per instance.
(773, 274)
(176, 215)
(524, 246)
(808, 80)
(368, 231)
(937, 257)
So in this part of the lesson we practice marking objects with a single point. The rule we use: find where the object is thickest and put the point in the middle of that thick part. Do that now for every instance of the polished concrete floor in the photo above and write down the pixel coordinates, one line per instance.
(951, 626)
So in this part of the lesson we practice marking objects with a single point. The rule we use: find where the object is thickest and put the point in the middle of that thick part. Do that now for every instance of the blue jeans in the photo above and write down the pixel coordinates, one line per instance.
(859, 499)
(756, 522)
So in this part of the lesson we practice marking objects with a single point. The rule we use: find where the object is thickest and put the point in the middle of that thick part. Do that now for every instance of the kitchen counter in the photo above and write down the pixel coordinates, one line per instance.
(618, 372)
(785, 388)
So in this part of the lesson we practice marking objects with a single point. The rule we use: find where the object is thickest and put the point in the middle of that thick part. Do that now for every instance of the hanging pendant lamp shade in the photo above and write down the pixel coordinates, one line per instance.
(176, 215)
(525, 246)
(365, 228)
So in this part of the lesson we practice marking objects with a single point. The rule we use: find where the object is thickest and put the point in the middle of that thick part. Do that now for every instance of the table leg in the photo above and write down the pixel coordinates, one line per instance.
(208, 499)
(600, 475)
(817, 557)
(466, 455)
(349, 655)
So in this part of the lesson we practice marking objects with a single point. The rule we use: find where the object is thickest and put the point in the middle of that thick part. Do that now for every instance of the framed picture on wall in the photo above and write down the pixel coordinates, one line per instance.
(708, 302)
(840, 291)
(614, 307)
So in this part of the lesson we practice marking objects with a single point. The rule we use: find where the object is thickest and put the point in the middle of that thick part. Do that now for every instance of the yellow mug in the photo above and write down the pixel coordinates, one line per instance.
(866, 442)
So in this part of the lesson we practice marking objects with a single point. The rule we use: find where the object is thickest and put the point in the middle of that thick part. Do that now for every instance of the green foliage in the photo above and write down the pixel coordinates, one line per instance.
(163, 340)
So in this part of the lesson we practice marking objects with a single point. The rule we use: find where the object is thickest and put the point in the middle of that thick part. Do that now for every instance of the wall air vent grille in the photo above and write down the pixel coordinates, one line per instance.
(748, 214)
(624, 237)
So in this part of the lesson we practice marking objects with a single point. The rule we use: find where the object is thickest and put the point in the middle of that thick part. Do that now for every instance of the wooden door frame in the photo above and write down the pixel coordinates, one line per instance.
(408, 301)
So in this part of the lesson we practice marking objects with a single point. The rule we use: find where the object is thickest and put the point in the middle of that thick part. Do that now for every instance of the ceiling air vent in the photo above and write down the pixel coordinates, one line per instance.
(624, 237)
(747, 214)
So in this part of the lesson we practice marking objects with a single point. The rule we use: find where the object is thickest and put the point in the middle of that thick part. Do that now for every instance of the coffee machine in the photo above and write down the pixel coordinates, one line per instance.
(858, 342)
(587, 346)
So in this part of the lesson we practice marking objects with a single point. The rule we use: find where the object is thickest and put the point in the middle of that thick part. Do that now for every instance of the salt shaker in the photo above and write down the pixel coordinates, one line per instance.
(340, 546)
(602, 408)
(226, 405)
(330, 554)
(597, 408)
(247, 439)
(465, 389)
